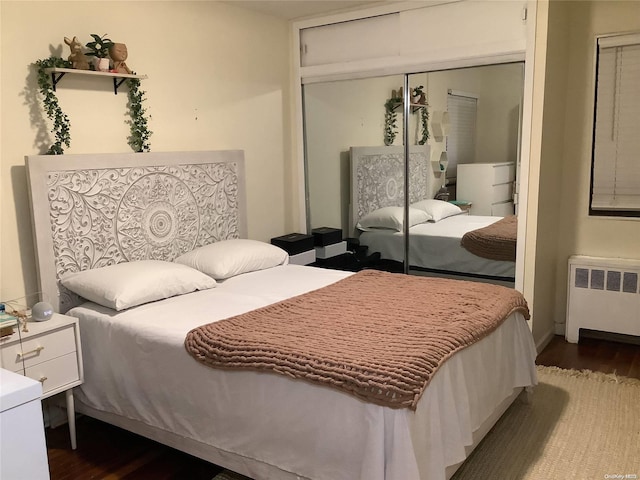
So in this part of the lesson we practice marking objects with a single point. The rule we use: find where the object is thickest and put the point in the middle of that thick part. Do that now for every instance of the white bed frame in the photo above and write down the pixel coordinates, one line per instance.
(71, 230)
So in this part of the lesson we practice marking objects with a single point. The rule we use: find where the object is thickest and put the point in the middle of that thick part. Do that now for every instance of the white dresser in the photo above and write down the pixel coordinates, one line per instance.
(23, 450)
(488, 186)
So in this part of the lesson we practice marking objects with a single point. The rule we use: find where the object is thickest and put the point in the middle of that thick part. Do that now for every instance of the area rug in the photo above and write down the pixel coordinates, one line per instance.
(579, 425)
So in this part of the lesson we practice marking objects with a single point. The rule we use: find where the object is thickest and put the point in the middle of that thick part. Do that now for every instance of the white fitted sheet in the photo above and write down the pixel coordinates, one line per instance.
(437, 246)
(136, 366)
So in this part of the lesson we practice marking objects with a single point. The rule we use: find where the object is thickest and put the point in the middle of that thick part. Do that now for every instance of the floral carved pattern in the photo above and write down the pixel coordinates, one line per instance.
(380, 180)
(102, 217)
(157, 218)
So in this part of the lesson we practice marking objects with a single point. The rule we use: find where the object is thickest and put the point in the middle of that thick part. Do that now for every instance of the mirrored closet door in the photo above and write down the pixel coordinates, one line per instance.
(354, 161)
(472, 117)
(463, 137)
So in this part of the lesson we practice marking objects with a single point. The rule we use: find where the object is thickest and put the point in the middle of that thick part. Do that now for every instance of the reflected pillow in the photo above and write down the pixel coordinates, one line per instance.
(437, 209)
(228, 258)
(391, 218)
(128, 284)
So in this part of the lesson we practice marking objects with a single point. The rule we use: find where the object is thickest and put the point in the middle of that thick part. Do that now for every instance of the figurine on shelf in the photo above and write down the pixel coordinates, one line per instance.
(418, 96)
(77, 58)
(118, 53)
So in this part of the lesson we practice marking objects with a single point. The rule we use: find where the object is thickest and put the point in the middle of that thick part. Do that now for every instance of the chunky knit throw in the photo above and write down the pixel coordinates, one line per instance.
(496, 241)
(376, 335)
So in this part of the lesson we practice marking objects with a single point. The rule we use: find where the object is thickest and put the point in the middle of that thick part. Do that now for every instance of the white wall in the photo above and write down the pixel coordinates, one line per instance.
(218, 79)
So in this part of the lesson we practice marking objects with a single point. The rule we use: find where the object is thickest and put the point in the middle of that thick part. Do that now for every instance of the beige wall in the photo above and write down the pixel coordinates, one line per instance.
(550, 170)
(218, 79)
(567, 148)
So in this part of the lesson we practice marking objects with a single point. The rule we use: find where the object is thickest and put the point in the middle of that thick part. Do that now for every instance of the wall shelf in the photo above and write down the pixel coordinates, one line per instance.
(440, 125)
(118, 78)
(440, 165)
(414, 106)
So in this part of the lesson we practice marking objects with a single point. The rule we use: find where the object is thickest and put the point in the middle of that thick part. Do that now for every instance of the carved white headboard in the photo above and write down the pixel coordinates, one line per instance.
(91, 211)
(377, 178)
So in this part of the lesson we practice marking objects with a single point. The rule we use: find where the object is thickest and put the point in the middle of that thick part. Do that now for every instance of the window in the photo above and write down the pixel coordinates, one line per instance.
(615, 176)
(461, 141)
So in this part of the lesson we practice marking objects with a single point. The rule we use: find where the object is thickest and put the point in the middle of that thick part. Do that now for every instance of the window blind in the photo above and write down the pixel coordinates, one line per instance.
(615, 185)
(461, 141)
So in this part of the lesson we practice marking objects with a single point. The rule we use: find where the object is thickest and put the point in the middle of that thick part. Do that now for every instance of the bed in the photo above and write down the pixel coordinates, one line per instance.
(118, 210)
(435, 239)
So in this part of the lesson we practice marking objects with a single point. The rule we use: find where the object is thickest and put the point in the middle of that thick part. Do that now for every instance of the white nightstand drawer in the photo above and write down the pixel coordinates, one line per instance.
(37, 349)
(56, 373)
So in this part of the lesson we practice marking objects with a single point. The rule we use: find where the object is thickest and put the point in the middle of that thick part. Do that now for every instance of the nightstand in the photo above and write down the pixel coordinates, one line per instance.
(50, 353)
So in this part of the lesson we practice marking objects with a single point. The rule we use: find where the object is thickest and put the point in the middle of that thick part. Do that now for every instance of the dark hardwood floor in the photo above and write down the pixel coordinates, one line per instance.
(594, 354)
(106, 452)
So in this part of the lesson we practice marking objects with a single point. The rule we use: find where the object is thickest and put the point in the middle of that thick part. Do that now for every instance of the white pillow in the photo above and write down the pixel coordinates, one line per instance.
(437, 209)
(391, 218)
(128, 284)
(227, 258)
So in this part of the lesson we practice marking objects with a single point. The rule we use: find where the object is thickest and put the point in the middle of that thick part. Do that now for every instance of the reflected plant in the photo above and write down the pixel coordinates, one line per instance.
(391, 119)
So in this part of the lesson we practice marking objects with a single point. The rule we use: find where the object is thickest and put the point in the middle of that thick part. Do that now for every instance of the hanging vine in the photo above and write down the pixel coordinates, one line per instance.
(421, 101)
(391, 118)
(140, 133)
(61, 124)
(138, 140)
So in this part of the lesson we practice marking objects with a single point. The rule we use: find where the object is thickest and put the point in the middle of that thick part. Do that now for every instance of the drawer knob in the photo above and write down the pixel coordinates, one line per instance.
(35, 350)
(42, 379)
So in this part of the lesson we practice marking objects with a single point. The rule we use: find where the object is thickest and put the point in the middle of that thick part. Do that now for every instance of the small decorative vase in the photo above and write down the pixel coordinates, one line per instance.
(101, 64)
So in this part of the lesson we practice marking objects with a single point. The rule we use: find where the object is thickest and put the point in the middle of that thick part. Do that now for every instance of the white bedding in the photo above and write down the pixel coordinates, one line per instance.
(437, 246)
(264, 424)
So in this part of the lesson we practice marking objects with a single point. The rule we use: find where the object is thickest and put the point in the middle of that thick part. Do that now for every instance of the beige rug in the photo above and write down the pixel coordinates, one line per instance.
(579, 425)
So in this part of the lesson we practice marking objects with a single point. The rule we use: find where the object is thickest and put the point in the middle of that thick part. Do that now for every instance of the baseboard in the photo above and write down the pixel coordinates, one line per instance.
(544, 341)
(561, 328)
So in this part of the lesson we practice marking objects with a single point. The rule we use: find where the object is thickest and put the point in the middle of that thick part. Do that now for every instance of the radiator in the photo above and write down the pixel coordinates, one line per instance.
(603, 295)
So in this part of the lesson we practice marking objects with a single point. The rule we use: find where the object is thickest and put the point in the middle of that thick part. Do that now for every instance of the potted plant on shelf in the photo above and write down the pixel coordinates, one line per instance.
(99, 50)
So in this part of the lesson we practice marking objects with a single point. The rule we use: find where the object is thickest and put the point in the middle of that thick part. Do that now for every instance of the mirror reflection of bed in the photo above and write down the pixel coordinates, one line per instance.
(444, 239)
(481, 161)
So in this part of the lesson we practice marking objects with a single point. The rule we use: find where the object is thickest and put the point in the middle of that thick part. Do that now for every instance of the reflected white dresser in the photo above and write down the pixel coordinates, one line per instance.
(488, 186)
(23, 450)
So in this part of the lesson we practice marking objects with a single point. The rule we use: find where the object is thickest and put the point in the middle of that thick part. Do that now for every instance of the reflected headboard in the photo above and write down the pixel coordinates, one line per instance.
(377, 178)
(95, 210)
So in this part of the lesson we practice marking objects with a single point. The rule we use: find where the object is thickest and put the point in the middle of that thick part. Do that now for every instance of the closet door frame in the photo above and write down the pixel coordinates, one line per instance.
(410, 65)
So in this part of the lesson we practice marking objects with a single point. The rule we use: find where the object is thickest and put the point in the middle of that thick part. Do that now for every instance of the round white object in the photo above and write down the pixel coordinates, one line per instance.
(41, 311)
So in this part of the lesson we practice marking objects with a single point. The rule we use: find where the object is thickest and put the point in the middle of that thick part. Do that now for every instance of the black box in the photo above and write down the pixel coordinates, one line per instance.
(294, 243)
(326, 236)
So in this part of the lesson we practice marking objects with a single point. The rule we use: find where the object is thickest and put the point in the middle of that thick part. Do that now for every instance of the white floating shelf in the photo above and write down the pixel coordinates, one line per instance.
(440, 124)
(440, 166)
(118, 78)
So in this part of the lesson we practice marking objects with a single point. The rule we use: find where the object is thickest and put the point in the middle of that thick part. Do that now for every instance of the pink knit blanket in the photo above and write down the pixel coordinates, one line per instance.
(376, 335)
(496, 241)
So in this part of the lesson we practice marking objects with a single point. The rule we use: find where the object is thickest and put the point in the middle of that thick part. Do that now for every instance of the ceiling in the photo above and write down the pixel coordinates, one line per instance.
(292, 9)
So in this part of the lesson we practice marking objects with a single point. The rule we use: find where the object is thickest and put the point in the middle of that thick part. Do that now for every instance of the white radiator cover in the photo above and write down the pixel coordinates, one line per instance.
(603, 295)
